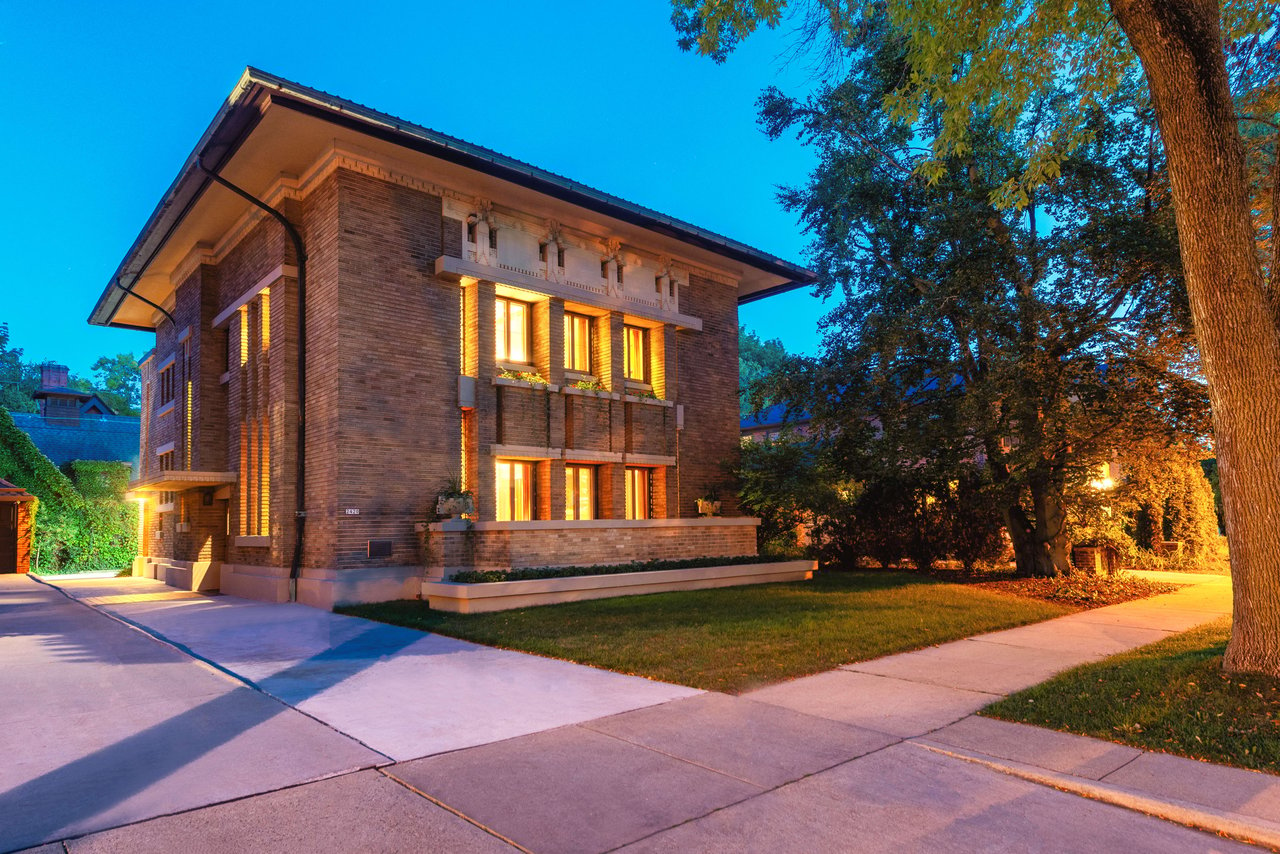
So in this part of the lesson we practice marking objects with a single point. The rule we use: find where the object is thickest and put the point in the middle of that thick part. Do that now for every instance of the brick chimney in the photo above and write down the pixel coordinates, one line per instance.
(53, 376)
(57, 403)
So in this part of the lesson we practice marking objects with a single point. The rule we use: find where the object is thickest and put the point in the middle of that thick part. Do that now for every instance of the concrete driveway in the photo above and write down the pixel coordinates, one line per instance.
(359, 737)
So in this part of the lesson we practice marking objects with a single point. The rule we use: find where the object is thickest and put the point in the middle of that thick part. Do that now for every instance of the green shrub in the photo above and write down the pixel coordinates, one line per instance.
(83, 520)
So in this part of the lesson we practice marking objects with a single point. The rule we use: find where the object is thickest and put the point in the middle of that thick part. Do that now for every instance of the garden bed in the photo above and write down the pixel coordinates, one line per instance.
(549, 585)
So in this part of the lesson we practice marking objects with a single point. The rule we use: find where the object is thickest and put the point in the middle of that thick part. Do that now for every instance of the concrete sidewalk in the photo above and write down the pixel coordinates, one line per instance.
(402, 692)
(881, 755)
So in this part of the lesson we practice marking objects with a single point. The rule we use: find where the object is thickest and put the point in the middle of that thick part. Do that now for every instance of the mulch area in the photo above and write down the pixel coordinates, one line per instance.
(1084, 591)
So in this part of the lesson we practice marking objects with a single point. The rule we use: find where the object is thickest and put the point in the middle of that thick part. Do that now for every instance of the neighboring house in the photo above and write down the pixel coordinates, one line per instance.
(77, 425)
(570, 356)
(772, 422)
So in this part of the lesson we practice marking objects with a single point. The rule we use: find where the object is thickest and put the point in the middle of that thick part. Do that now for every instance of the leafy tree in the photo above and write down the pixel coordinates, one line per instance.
(1001, 60)
(1028, 343)
(18, 380)
(757, 359)
(119, 382)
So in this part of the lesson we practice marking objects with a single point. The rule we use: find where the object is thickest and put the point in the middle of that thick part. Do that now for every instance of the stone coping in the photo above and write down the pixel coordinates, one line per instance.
(588, 524)
(503, 595)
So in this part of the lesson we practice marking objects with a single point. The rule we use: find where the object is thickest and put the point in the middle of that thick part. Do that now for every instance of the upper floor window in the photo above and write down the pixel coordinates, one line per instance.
(514, 488)
(577, 343)
(637, 493)
(493, 238)
(166, 461)
(513, 330)
(168, 383)
(471, 231)
(579, 492)
(635, 353)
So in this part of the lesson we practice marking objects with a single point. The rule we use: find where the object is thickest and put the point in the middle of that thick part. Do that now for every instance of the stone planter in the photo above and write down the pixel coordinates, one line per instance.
(706, 507)
(449, 506)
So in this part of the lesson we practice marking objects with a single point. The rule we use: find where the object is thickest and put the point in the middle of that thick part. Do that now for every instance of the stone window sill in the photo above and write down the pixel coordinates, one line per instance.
(253, 542)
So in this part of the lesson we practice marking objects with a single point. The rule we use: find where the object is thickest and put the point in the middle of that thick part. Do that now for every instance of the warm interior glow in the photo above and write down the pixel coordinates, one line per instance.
(511, 330)
(244, 335)
(577, 343)
(637, 493)
(579, 492)
(514, 487)
(634, 358)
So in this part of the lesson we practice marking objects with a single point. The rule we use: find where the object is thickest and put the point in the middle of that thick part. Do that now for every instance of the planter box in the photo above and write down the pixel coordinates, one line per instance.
(504, 595)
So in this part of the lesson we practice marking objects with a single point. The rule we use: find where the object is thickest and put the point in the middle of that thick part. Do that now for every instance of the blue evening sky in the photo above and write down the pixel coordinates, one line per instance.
(103, 101)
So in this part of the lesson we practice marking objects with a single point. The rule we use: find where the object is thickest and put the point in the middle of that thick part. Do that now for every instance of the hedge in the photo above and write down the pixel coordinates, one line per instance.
(83, 520)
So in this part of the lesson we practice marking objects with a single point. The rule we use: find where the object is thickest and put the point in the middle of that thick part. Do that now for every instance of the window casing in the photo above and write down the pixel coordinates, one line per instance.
(577, 343)
(513, 330)
(635, 353)
(255, 423)
(166, 460)
(579, 492)
(515, 490)
(637, 493)
(168, 383)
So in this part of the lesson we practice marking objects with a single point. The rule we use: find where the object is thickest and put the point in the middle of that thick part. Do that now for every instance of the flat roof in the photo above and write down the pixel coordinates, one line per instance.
(258, 94)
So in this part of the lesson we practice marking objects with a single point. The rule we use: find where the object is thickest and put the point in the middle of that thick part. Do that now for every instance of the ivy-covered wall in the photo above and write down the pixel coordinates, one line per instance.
(83, 521)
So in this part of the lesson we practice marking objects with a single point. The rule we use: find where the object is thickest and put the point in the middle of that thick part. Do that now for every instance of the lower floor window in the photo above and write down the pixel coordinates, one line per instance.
(579, 492)
(637, 493)
(515, 491)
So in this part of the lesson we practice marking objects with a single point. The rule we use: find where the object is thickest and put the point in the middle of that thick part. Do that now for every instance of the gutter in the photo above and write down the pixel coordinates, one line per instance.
(300, 478)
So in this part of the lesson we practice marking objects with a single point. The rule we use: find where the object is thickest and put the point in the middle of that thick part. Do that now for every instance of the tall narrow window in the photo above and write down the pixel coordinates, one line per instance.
(167, 385)
(255, 423)
(637, 493)
(493, 238)
(514, 487)
(577, 343)
(579, 492)
(513, 333)
(635, 361)
(559, 256)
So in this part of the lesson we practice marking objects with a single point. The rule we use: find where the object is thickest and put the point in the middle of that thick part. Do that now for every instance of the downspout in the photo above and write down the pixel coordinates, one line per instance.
(156, 306)
(300, 488)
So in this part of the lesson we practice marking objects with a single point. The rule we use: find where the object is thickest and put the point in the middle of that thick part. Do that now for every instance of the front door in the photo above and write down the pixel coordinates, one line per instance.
(9, 536)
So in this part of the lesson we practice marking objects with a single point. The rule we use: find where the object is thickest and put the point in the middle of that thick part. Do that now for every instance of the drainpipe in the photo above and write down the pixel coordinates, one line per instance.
(300, 509)
(156, 306)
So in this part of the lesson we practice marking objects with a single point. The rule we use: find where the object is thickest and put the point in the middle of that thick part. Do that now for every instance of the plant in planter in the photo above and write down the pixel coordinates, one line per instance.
(709, 504)
(588, 385)
(524, 376)
(454, 501)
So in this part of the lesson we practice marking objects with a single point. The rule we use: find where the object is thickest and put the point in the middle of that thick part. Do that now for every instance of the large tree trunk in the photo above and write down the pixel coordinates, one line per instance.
(1179, 43)
(1039, 548)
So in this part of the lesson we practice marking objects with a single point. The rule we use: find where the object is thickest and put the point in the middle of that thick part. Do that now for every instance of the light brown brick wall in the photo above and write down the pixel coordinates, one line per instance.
(587, 546)
(384, 352)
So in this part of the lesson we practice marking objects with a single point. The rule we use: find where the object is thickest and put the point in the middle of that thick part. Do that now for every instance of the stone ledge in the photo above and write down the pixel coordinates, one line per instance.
(584, 524)
(504, 595)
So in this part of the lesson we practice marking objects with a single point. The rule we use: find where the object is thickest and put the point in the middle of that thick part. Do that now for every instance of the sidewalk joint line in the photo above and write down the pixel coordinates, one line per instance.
(459, 813)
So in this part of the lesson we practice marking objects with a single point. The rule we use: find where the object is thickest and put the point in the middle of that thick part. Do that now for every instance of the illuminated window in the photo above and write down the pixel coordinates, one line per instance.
(579, 492)
(577, 343)
(635, 361)
(514, 486)
(637, 493)
(513, 330)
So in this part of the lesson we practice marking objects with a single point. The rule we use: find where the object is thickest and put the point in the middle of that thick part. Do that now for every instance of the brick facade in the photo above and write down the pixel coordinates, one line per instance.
(387, 339)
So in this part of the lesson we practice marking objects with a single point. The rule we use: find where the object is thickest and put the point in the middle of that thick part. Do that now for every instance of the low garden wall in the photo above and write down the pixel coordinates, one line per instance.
(504, 595)
(456, 545)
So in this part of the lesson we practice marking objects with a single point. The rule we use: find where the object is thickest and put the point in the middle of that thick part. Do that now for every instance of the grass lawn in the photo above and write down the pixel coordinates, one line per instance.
(1170, 696)
(737, 638)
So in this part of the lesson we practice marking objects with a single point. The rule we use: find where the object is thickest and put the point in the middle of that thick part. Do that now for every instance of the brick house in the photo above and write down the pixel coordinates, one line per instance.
(569, 356)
